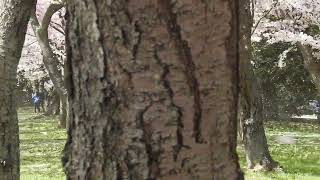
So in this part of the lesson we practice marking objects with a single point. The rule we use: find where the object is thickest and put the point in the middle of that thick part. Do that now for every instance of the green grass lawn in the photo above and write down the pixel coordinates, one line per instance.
(42, 142)
(300, 161)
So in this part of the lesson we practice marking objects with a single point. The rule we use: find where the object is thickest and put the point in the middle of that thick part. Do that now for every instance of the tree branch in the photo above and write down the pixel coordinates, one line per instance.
(53, 8)
(57, 29)
(49, 58)
(57, 24)
(265, 15)
(30, 44)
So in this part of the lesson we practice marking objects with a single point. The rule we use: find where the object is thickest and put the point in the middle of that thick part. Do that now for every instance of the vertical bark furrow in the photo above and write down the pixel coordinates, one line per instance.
(166, 85)
(153, 157)
(184, 55)
(230, 43)
(137, 42)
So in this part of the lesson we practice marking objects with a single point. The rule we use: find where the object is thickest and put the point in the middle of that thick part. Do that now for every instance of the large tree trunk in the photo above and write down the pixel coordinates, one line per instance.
(312, 65)
(251, 108)
(14, 17)
(153, 92)
(49, 59)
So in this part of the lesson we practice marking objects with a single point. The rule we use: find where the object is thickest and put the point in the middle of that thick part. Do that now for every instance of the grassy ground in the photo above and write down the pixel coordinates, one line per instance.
(300, 161)
(42, 143)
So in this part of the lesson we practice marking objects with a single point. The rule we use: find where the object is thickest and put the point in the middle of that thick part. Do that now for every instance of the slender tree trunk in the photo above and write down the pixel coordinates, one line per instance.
(312, 65)
(14, 16)
(251, 108)
(43, 96)
(63, 113)
(153, 90)
(49, 59)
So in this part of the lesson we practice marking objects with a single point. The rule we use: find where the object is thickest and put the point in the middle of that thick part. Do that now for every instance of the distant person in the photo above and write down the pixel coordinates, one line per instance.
(42, 97)
(36, 102)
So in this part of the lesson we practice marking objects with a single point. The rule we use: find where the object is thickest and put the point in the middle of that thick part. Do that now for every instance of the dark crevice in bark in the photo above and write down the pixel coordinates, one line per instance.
(101, 38)
(185, 56)
(128, 74)
(70, 89)
(166, 85)
(232, 43)
(137, 43)
(69, 76)
(111, 131)
(119, 174)
(153, 157)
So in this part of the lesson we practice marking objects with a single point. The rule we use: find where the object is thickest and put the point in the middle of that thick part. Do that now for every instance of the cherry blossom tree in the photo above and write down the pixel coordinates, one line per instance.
(44, 51)
(293, 21)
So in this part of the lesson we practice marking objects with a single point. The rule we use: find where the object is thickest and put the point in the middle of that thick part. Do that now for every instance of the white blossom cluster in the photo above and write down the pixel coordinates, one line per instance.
(31, 62)
(287, 21)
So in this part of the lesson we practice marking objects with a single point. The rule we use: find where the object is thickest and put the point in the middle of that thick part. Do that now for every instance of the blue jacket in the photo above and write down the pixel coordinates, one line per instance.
(35, 99)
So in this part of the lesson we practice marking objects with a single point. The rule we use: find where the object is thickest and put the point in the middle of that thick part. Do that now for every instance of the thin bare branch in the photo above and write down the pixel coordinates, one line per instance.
(30, 44)
(262, 17)
(57, 29)
(53, 8)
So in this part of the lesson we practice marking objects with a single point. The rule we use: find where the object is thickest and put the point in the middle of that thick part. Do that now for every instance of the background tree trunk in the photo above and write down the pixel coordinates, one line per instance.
(312, 65)
(153, 90)
(43, 96)
(14, 17)
(49, 59)
(52, 104)
(251, 108)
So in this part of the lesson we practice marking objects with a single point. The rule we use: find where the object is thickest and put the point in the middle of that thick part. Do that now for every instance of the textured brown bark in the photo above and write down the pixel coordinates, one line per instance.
(14, 16)
(251, 108)
(52, 105)
(49, 59)
(153, 92)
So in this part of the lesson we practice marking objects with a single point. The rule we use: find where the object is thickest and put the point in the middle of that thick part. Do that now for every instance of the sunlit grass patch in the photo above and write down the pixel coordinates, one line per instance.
(300, 161)
(41, 143)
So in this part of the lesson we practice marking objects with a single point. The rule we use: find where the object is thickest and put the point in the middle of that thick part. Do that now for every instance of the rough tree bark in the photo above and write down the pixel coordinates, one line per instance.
(52, 103)
(14, 17)
(312, 65)
(250, 100)
(49, 59)
(153, 92)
